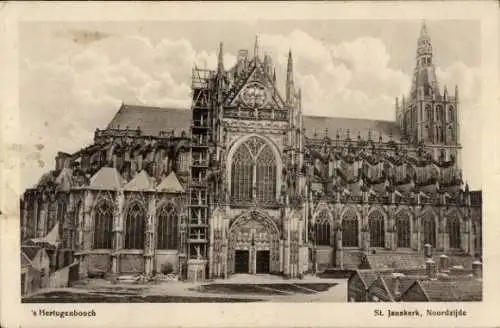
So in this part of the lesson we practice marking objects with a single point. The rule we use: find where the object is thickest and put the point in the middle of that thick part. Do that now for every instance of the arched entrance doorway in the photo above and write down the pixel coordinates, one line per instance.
(253, 244)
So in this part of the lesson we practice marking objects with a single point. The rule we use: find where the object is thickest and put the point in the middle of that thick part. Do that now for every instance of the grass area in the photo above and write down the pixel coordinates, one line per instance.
(72, 297)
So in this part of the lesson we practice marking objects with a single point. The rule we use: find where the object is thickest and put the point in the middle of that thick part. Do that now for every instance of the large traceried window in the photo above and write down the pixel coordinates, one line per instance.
(350, 229)
(103, 225)
(322, 229)
(429, 230)
(453, 229)
(253, 166)
(403, 229)
(168, 223)
(377, 229)
(134, 227)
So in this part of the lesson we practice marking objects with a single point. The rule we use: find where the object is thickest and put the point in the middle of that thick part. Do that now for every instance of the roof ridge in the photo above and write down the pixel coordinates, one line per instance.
(350, 118)
(142, 106)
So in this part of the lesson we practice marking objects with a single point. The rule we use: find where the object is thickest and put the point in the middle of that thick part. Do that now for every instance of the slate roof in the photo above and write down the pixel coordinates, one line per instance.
(453, 291)
(30, 251)
(395, 260)
(151, 120)
(140, 182)
(107, 178)
(319, 124)
(170, 184)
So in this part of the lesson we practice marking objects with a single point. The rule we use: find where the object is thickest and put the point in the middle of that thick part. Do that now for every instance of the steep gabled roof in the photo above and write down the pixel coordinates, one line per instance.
(151, 120)
(107, 178)
(30, 251)
(369, 276)
(141, 182)
(170, 184)
(25, 260)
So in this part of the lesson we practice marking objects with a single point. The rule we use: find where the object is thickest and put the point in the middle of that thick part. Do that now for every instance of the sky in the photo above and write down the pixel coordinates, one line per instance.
(74, 76)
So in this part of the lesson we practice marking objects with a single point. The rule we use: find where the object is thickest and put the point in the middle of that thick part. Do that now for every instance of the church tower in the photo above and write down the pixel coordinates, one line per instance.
(428, 115)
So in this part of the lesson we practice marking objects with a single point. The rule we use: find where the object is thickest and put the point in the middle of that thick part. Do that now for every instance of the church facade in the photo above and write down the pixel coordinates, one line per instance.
(244, 182)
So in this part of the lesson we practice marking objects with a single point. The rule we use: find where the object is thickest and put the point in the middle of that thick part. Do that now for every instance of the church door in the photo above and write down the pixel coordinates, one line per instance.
(263, 258)
(241, 261)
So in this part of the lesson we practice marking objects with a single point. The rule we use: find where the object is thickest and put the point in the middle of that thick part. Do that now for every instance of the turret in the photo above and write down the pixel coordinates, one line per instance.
(445, 93)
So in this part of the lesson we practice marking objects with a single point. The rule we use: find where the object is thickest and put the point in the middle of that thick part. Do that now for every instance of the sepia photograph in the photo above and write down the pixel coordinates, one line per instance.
(233, 161)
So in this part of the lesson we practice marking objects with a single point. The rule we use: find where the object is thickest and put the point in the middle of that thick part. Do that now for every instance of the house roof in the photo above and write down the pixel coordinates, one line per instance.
(25, 260)
(319, 124)
(107, 178)
(390, 282)
(140, 182)
(151, 120)
(395, 261)
(30, 251)
(452, 291)
(369, 276)
(170, 184)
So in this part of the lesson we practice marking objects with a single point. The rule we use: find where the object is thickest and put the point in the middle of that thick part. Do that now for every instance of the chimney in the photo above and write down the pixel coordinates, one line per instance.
(430, 268)
(397, 284)
(427, 250)
(477, 269)
(443, 263)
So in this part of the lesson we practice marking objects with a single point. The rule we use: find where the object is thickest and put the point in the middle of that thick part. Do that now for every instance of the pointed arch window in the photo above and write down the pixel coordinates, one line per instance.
(266, 174)
(168, 228)
(322, 229)
(428, 113)
(134, 227)
(451, 117)
(377, 229)
(453, 229)
(72, 240)
(439, 113)
(403, 230)
(61, 217)
(477, 236)
(350, 229)
(254, 167)
(429, 229)
(103, 225)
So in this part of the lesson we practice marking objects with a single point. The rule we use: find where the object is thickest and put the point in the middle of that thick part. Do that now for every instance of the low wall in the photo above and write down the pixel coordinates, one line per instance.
(164, 257)
(62, 277)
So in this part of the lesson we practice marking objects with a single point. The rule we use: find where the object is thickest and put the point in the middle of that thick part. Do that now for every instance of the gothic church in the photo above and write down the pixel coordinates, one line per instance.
(244, 182)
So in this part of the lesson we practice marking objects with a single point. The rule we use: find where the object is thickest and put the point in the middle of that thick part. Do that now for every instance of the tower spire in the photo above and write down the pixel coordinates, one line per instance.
(256, 47)
(220, 63)
(289, 78)
(274, 76)
(423, 29)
